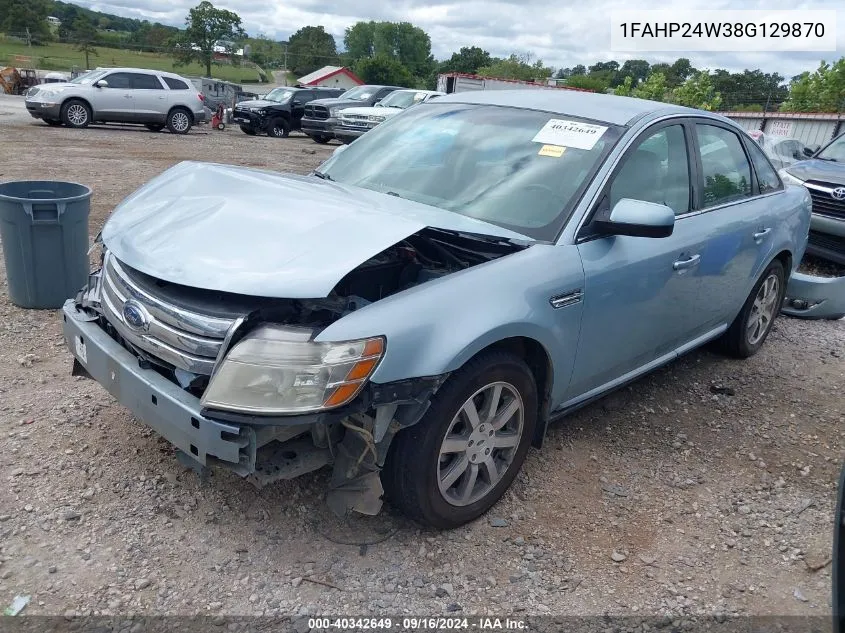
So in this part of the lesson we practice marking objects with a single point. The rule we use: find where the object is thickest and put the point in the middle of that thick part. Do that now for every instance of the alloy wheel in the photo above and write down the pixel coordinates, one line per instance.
(77, 114)
(180, 121)
(764, 309)
(480, 444)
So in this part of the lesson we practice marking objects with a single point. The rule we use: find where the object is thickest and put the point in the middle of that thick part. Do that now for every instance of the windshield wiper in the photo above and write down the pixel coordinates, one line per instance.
(394, 194)
(323, 176)
(832, 160)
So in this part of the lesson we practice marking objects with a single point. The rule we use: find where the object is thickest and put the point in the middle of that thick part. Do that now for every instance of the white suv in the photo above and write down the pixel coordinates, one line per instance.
(120, 95)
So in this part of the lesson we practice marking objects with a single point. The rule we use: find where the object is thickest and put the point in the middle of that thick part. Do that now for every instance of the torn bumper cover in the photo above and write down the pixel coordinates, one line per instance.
(162, 405)
(812, 297)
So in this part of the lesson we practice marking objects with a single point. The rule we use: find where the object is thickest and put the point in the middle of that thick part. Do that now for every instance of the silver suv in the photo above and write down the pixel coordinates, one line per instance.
(120, 95)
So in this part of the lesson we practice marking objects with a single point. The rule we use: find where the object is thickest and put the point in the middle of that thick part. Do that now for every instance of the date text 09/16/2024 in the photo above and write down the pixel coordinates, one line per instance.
(480, 623)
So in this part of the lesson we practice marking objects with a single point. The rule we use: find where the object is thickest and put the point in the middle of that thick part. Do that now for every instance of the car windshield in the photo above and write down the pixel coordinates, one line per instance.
(519, 169)
(88, 78)
(835, 151)
(402, 99)
(359, 93)
(279, 95)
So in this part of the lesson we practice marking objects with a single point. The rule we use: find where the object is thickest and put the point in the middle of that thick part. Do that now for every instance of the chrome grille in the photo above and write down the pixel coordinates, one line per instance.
(316, 112)
(178, 336)
(823, 201)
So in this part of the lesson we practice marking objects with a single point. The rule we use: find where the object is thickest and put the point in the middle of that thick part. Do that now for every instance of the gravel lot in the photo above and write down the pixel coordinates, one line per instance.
(705, 488)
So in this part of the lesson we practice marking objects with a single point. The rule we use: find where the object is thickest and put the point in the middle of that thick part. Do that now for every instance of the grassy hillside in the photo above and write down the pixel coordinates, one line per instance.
(63, 57)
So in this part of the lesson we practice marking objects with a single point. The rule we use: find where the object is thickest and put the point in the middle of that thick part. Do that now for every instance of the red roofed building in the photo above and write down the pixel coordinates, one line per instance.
(331, 77)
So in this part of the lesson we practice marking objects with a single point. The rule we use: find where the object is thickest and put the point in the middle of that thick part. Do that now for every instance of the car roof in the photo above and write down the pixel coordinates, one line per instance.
(163, 73)
(587, 105)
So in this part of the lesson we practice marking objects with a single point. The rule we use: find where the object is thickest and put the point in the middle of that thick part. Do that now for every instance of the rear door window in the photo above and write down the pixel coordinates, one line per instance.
(142, 81)
(767, 178)
(724, 165)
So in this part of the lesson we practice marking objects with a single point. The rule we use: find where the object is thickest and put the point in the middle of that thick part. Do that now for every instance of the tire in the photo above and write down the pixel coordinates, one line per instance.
(743, 339)
(221, 126)
(179, 121)
(76, 113)
(278, 128)
(247, 130)
(416, 470)
(154, 127)
(322, 140)
(53, 122)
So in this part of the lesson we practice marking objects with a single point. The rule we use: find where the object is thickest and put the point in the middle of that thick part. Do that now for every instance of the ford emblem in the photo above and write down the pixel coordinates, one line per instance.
(135, 316)
(838, 193)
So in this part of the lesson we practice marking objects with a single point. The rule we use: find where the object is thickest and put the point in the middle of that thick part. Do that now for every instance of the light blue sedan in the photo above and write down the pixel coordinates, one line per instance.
(415, 312)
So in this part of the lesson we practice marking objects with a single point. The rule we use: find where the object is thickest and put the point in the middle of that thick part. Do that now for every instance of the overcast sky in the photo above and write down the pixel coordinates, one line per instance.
(559, 35)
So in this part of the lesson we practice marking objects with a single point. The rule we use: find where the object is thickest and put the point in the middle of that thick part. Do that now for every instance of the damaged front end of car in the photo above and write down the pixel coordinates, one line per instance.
(239, 381)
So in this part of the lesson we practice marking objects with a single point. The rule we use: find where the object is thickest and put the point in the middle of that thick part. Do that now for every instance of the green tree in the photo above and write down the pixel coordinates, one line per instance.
(589, 82)
(382, 69)
(402, 41)
(517, 67)
(265, 52)
(819, 91)
(698, 92)
(311, 48)
(84, 34)
(636, 69)
(749, 87)
(16, 16)
(467, 60)
(359, 40)
(676, 73)
(626, 88)
(207, 27)
(653, 88)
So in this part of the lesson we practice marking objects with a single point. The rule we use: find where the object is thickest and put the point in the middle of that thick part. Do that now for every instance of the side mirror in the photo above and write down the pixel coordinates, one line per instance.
(838, 581)
(808, 151)
(102, 83)
(637, 218)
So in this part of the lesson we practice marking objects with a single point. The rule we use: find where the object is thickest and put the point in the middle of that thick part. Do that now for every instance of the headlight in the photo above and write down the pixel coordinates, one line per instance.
(376, 118)
(280, 370)
(334, 112)
(789, 179)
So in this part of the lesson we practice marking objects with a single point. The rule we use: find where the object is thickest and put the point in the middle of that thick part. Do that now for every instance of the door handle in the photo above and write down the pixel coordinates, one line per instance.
(683, 264)
(759, 235)
(127, 96)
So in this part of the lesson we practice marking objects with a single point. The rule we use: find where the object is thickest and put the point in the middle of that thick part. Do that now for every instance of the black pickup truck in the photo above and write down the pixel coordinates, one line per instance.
(280, 111)
(321, 116)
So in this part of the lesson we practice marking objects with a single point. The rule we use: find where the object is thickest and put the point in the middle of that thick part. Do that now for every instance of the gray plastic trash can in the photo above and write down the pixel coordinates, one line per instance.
(44, 231)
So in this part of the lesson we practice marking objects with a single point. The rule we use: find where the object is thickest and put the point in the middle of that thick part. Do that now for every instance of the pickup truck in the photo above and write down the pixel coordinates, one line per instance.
(321, 116)
(355, 121)
(279, 111)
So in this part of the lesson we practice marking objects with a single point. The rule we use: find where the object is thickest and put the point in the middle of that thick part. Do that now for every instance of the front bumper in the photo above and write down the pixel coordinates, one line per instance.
(158, 403)
(319, 127)
(248, 118)
(347, 133)
(40, 110)
(812, 297)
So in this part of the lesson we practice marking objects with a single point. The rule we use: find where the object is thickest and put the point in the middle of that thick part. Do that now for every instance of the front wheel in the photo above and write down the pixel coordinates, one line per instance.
(752, 325)
(322, 140)
(278, 128)
(179, 121)
(76, 113)
(453, 465)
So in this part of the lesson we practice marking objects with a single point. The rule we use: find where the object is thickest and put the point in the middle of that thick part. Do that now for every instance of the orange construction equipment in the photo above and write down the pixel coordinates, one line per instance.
(17, 82)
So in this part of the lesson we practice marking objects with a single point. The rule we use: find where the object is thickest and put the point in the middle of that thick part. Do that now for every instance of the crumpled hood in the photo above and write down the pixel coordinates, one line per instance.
(817, 169)
(261, 233)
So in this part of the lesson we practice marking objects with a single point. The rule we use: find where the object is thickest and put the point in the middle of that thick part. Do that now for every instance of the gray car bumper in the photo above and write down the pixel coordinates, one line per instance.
(40, 110)
(811, 297)
(158, 403)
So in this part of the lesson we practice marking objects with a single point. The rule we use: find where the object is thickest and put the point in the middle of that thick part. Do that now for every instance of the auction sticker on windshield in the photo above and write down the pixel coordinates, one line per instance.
(570, 134)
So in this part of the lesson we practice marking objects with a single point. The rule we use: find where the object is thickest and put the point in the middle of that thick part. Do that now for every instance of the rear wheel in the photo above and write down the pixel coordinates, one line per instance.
(154, 127)
(179, 121)
(247, 130)
(752, 325)
(76, 113)
(278, 128)
(458, 461)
